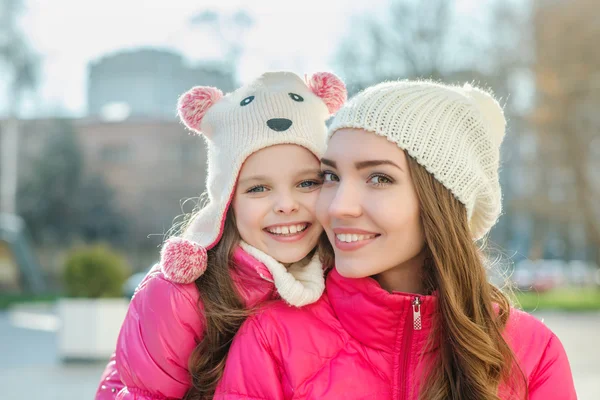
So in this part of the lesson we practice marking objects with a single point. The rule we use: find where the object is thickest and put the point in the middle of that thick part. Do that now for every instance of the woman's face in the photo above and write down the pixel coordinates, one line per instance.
(368, 204)
(274, 202)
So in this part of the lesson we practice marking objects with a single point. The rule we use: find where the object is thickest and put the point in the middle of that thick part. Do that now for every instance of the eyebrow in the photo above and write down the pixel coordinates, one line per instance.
(329, 163)
(375, 163)
(253, 178)
(363, 164)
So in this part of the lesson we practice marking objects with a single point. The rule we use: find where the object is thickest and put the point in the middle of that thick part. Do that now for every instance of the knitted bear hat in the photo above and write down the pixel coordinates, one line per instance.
(276, 108)
(454, 132)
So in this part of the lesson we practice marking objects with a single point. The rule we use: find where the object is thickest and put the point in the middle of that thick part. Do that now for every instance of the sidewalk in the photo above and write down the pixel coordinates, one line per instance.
(29, 367)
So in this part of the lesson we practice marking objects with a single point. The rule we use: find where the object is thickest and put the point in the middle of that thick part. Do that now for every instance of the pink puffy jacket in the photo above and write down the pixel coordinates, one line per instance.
(361, 342)
(164, 324)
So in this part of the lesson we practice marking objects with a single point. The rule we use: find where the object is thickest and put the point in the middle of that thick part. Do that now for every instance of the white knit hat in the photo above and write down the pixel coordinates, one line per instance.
(454, 132)
(276, 108)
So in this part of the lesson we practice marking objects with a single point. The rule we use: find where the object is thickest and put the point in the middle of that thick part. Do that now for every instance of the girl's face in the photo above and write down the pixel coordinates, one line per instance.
(368, 204)
(274, 202)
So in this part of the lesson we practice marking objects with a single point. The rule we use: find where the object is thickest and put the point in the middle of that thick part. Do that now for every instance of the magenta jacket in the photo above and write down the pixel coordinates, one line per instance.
(361, 342)
(164, 323)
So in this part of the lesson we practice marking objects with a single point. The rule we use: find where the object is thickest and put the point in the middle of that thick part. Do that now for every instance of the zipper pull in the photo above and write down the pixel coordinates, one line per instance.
(416, 304)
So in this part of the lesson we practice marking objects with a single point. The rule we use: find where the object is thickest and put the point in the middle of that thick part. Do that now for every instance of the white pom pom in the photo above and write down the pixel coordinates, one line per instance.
(491, 111)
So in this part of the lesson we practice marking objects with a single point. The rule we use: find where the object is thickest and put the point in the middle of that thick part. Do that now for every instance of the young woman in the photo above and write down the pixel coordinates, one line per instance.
(410, 185)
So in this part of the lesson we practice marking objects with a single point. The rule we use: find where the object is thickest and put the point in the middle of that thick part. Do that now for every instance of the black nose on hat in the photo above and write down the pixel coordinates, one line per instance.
(279, 124)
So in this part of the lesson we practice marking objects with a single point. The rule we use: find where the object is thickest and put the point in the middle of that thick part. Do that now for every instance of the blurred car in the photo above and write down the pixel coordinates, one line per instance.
(523, 277)
(542, 275)
(134, 281)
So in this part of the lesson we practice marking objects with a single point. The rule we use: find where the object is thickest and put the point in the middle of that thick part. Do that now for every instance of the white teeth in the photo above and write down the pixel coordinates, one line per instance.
(350, 237)
(288, 230)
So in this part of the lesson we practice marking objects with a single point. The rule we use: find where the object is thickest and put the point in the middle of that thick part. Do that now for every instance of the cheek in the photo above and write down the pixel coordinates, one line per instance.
(309, 201)
(322, 205)
(396, 213)
(247, 216)
(406, 225)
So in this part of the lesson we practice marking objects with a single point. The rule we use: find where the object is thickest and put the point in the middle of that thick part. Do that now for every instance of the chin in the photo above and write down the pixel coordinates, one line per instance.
(287, 257)
(291, 253)
(350, 270)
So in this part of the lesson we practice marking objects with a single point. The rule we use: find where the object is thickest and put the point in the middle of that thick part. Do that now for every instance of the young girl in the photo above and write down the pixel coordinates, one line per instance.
(410, 185)
(255, 240)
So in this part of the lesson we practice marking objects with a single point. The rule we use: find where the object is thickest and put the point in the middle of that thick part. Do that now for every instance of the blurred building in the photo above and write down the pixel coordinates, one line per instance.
(150, 164)
(148, 82)
(132, 139)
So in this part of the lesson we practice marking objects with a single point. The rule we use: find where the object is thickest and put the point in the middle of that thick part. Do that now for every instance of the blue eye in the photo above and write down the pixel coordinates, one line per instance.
(257, 189)
(296, 97)
(308, 184)
(246, 101)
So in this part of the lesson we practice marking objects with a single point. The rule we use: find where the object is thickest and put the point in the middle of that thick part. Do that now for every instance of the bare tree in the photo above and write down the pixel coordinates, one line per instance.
(416, 39)
(18, 64)
(228, 29)
(429, 40)
(566, 119)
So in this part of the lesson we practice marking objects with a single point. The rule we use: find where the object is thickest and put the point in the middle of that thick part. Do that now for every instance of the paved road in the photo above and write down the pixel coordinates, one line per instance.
(29, 367)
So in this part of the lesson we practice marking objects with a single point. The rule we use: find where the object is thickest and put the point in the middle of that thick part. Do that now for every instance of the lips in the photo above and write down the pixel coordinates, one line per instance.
(350, 239)
(290, 232)
(289, 229)
(353, 237)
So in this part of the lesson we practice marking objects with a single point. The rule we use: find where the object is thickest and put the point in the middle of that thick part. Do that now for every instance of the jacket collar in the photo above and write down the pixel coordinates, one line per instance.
(377, 318)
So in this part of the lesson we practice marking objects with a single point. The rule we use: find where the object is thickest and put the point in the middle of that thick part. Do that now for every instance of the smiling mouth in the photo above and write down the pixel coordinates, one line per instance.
(353, 237)
(287, 230)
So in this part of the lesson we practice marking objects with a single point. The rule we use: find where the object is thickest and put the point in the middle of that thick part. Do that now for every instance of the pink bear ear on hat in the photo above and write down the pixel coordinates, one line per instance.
(193, 105)
(182, 261)
(329, 88)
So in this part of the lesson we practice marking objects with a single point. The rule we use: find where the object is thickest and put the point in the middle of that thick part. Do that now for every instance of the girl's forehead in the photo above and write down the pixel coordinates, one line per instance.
(282, 157)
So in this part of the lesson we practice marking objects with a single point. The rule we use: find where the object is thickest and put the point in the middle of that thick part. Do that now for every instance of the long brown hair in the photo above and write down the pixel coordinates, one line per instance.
(473, 358)
(224, 311)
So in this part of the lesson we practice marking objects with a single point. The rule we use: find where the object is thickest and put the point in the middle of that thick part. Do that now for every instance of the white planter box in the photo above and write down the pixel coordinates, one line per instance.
(89, 328)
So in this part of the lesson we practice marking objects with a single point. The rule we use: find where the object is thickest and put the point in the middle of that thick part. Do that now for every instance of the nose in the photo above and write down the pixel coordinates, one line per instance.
(286, 204)
(279, 124)
(345, 202)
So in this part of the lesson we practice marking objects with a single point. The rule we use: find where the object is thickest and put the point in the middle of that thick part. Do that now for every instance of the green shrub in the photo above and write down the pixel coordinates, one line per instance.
(566, 299)
(95, 272)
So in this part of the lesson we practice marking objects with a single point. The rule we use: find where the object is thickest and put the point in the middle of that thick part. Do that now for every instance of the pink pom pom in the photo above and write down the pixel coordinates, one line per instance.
(194, 104)
(183, 261)
(329, 88)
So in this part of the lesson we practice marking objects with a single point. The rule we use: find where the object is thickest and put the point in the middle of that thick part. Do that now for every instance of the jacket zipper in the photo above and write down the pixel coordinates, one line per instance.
(416, 306)
(416, 325)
